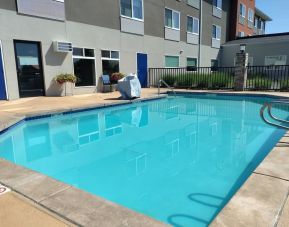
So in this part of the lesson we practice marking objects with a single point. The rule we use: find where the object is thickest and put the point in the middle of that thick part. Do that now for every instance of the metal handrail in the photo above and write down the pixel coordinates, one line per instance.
(168, 86)
(269, 106)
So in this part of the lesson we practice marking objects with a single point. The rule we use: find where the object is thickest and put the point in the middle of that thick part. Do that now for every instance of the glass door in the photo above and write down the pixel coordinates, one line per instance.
(29, 68)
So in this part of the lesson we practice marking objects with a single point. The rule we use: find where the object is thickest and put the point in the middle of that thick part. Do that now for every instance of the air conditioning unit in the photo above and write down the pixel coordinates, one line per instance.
(64, 47)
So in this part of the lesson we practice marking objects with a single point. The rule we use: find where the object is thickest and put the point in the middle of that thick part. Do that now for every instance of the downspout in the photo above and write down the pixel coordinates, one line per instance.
(201, 33)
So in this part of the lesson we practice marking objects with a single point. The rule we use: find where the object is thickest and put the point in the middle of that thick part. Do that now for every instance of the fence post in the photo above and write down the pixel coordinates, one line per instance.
(240, 78)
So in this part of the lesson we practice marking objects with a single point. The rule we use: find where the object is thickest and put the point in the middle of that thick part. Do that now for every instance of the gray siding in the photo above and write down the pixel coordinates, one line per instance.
(106, 14)
(209, 20)
(256, 51)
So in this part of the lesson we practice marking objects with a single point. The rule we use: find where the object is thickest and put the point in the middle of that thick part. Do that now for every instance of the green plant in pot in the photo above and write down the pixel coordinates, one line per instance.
(67, 80)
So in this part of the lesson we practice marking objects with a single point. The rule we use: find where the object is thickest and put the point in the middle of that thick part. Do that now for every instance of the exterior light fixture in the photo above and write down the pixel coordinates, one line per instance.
(243, 48)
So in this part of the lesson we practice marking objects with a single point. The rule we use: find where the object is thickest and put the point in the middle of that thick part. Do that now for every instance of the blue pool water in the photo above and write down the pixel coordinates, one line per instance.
(178, 159)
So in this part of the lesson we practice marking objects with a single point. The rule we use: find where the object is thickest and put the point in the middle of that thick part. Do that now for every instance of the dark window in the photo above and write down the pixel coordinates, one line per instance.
(214, 65)
(110, 66)
(89, 52)
(84, 69)
(105, 53)
(77, 51)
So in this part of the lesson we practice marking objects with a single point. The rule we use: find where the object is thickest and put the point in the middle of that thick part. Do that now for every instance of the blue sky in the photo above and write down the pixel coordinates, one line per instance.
(278, 10)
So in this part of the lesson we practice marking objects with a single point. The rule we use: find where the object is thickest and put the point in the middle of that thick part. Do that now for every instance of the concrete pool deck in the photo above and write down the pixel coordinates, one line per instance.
(261, 201)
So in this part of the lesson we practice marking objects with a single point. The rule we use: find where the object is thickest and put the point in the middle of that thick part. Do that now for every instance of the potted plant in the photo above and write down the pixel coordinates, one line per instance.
(67, 81)
(114, 78)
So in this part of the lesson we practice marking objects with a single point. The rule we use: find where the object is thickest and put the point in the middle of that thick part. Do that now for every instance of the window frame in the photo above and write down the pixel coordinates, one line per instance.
(216, 5)
(241, 34)
(194, 18)
(245, 10)
(84, 57)
(191, 58)
(170, 55)
(132, 17)
(249, 15)
(113, 59)
(179, 13)
(220, 28)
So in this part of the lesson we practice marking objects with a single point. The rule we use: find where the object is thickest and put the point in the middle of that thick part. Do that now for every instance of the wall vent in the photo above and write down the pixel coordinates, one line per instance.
(64, 47)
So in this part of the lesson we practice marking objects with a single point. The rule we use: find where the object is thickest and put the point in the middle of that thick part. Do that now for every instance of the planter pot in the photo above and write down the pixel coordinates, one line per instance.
(68, 88)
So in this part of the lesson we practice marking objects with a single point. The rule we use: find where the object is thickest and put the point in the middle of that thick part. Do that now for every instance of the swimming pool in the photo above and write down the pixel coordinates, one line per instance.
(178, 159)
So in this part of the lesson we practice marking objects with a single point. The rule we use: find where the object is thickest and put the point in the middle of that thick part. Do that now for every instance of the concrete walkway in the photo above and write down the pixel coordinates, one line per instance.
(17, 211)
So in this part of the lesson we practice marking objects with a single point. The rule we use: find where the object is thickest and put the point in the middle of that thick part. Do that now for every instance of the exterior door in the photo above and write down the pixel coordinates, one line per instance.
(29, 68)
(142, 69)
(3, 94)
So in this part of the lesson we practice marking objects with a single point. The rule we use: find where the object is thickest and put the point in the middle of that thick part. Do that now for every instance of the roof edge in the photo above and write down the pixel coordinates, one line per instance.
(262, 14)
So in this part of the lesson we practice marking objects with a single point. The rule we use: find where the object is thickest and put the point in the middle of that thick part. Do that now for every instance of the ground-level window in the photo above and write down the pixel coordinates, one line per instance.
(172, 61)
(241, 34)
(84, 66)
(192, 62)
(214, 64)
(110, 62)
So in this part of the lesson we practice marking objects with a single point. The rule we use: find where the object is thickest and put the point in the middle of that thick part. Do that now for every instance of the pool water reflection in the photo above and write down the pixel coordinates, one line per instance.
(178, 160)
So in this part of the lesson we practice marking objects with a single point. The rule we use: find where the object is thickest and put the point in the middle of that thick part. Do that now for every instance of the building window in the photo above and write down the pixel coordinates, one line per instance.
(241, 34)
(193, 25)
(172, 61)
(216, 32)
(110, 62)
(256, 23)
(132, 9)
(242, 10)
(218, 3)
(250, 15)
(214, 64)
(192, 62)
(84, 66)
(172, 19)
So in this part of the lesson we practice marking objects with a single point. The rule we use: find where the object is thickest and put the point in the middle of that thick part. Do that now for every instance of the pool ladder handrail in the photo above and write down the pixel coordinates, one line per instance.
(165, 83)
(268, 106)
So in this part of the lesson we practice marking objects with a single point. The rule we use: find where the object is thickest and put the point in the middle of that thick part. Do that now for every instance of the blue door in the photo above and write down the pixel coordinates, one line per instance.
(3, 95)
(142, 69)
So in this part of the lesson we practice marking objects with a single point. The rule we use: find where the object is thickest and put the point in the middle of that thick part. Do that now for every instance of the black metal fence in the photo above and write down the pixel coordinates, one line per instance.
(194, 77)
(274, 78)
(222, 78)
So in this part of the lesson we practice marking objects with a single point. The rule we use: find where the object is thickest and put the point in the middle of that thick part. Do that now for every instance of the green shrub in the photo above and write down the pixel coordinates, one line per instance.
(260, 83)
(284, 85)
(185, 80)
(221, 80)
(169, 79)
